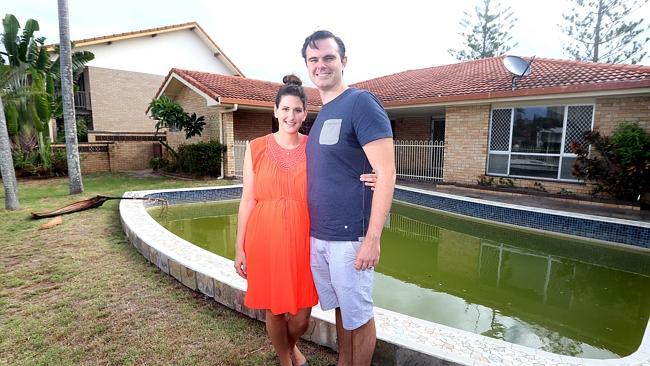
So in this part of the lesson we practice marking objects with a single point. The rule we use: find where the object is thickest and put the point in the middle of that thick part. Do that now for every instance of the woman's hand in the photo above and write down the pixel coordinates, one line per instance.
(369, 179)
(240, 264)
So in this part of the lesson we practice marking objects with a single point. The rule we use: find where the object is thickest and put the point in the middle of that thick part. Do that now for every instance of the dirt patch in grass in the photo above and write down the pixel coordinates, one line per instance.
(80, 294)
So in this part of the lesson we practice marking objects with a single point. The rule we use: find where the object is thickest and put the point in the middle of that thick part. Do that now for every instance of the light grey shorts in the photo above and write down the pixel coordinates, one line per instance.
(339, 284)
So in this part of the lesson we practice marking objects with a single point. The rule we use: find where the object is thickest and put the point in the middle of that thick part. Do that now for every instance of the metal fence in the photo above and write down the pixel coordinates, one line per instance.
(410, 228)
(419, 159)
(413, 159)
(240, 149)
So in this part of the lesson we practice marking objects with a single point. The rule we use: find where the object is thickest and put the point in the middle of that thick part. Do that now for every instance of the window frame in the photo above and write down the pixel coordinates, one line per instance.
(561, 155)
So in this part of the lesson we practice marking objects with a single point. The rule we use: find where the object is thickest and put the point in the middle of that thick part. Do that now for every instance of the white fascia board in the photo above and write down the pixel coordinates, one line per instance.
(593, 94)
(174, 76)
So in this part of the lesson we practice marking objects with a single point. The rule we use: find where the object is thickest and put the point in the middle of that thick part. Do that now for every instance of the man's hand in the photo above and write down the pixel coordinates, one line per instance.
(368, 255)
(369, 179)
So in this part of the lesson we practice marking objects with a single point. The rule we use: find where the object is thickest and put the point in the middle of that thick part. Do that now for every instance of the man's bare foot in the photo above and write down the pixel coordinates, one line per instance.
(297, 358)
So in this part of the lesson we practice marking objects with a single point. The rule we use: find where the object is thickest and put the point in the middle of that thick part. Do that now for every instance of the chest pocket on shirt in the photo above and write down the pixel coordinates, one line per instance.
(329, 135)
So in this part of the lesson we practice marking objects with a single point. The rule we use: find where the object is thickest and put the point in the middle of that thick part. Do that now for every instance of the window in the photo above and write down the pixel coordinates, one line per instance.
(534, 142)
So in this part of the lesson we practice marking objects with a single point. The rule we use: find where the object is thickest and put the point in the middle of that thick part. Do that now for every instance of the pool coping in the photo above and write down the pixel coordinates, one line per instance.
(402, 339)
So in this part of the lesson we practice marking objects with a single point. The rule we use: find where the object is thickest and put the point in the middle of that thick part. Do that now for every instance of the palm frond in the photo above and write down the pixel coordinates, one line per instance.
(12, 77)
(10, 37)
(79, 61)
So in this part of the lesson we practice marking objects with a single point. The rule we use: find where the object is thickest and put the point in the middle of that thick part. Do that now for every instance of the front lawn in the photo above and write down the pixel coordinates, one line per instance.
(79, 293)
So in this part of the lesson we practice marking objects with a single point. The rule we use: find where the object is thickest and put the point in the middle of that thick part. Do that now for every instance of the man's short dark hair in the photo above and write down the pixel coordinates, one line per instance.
(317, 36)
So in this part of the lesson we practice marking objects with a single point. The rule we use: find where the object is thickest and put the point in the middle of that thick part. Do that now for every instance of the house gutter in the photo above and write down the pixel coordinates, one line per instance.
(223, 111)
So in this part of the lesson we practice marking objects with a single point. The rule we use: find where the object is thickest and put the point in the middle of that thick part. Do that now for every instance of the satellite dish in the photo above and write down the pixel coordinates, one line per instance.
(518, 67)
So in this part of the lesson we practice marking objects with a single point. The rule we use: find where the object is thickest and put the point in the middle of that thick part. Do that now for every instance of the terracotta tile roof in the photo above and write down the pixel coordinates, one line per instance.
(465, 81)
(233, 89)
(489, 79)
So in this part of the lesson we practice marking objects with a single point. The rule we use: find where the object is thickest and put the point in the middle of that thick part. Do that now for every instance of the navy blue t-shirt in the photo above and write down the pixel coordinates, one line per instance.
(339, 203)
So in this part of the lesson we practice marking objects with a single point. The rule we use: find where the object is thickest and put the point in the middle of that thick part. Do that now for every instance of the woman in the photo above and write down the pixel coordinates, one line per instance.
(273, 228)
(272, 249)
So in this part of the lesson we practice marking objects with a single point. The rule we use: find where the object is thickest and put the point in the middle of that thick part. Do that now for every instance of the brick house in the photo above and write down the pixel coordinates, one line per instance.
(235, 109)
(522, 133)
(116, 87)
(488, 126)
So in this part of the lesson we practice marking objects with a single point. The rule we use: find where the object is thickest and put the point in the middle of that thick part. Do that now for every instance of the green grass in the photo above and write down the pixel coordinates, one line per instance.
(79, 293)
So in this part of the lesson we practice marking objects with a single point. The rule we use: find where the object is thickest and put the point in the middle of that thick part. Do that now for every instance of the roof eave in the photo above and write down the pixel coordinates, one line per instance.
(218, 53)
(619, 88)
(127, 35)
(259, 103)
(212, 99)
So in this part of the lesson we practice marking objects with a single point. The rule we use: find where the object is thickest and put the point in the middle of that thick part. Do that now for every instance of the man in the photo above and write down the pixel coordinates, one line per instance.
(351, 136)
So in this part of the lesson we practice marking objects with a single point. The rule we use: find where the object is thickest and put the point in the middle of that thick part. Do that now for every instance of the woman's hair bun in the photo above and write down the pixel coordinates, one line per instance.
(291, 80)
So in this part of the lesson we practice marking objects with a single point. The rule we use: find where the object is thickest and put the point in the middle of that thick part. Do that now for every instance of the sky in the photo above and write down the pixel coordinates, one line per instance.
(263, 38)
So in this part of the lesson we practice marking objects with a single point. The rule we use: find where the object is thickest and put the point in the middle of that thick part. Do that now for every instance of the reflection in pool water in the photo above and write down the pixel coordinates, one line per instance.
(545, 292)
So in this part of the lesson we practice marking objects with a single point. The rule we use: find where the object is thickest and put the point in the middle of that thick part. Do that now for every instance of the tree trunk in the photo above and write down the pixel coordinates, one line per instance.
(71, 145)
(486, 10)
(599, 20)
(7, 165)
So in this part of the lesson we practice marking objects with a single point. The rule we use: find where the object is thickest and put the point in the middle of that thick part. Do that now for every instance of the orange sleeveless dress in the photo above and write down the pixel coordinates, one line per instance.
(277, 233)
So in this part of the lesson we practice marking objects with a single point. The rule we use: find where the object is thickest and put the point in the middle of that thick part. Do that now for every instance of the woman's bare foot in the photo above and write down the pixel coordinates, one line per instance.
(297, 357)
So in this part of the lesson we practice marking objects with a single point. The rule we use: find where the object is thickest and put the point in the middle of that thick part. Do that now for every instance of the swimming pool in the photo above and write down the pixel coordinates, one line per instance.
(404, 336)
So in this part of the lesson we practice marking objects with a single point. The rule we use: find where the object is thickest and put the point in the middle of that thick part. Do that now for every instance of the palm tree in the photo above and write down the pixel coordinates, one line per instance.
(8, 75)
(72, 150)
(7, 165)
(30, 92)
(26, 53)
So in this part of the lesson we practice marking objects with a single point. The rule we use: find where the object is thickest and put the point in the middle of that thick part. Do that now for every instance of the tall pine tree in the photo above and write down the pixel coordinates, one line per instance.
(602, 31)
(486, 32)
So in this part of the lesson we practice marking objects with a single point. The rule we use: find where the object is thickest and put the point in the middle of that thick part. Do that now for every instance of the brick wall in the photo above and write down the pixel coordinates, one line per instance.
(466, 135)
(94, 136)
(92, 162)
(413, 128)
(611, 111)
(194, 103)
(250, 124)
(119, 99)
(130, 155)
(114, 156)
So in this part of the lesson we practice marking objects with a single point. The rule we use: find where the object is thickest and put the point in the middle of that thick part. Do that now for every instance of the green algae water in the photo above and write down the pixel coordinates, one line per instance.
(543, 291)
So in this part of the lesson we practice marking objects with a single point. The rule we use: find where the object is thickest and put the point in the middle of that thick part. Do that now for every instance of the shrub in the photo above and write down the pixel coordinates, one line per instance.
(30, 164)
(203, 158)
(566, 192)
(26, 162)
(539, 186)
(158, 163)
(170, 115)
(484, 180)
(506, 183)
(619, 165)
(59, 162)
(82, 132)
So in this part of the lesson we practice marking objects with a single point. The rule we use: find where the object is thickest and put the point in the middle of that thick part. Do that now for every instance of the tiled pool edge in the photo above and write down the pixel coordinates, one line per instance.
(403, 339)
(627, 232)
